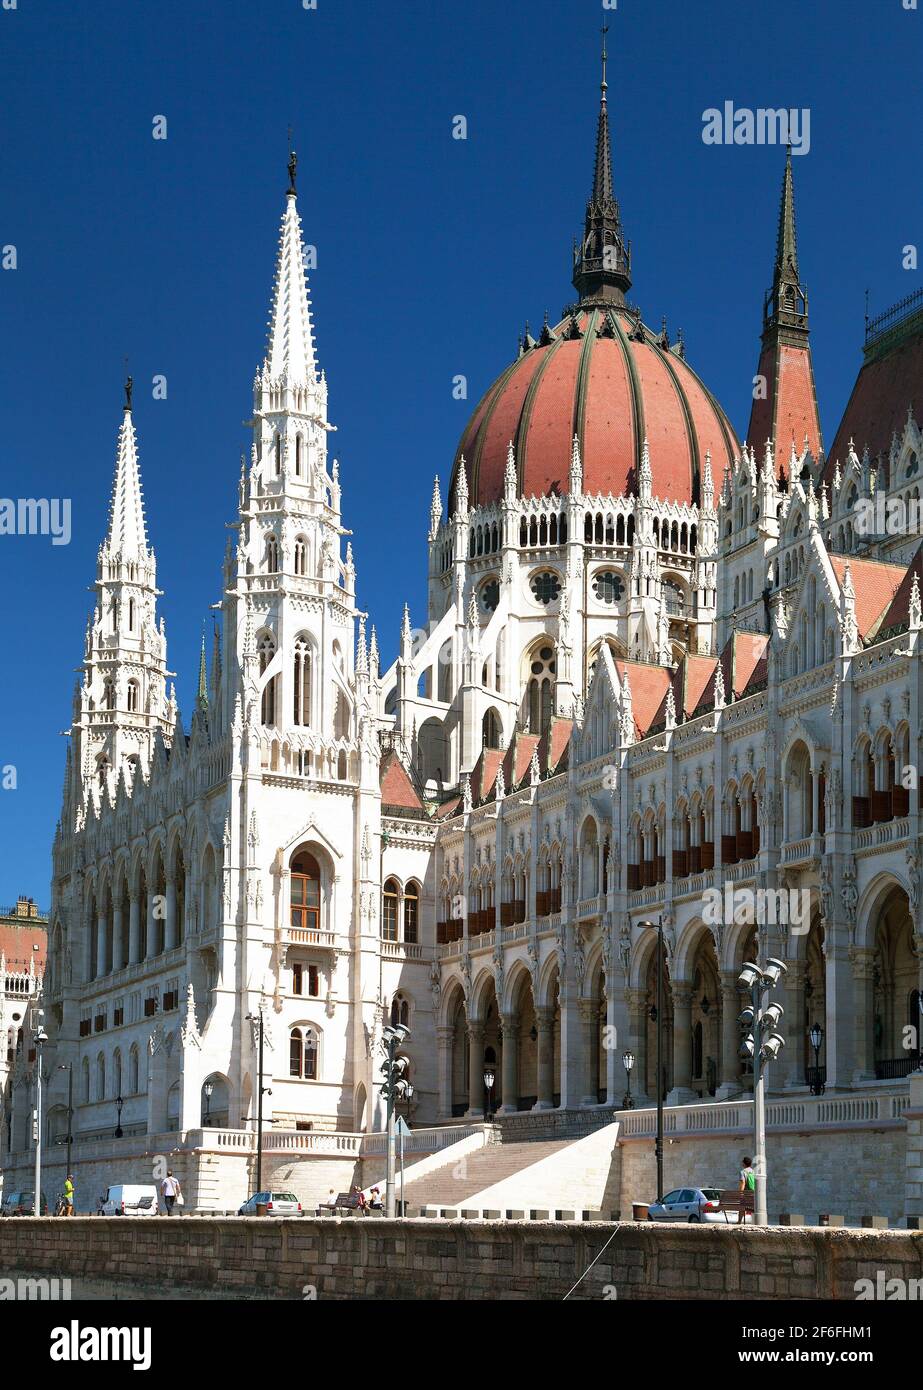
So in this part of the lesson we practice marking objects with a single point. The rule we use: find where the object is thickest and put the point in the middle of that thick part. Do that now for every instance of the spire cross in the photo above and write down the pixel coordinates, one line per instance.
(604, 31)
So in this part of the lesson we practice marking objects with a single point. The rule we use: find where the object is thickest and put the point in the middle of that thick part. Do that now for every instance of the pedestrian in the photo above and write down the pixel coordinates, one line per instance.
(375, 1199)
(359, 1196)
(68, 1195)
(747, 1189)
(171, 1190)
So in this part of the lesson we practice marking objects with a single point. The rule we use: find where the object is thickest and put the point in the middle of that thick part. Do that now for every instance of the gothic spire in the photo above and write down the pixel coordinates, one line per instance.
(786, 304)
(202, 688)
(290, 348)
(602, 264)
(126, 534)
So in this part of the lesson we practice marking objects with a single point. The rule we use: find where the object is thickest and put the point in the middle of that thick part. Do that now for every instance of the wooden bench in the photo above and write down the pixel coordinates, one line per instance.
(731, 1200)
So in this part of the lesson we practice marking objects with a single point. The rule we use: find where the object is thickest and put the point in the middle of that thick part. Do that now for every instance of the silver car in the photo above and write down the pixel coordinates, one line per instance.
(276, 1204)
(693, 1204)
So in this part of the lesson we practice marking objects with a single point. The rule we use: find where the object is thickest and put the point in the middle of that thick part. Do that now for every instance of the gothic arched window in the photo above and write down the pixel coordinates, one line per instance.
(133, 697)
(301, 555)
(266, 650)
(303, 1053)
(305, 895)
(389, 910)
(411, 912)
(301, 713)
(272, 555)
(540, 689)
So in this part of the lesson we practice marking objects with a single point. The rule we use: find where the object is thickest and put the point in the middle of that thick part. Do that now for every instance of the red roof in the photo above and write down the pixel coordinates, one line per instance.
(898, 613)
(612, 391)
(888, 384)
(17, 942)
(788, 412)
(648, 685)
(396, 787)
(876, 585)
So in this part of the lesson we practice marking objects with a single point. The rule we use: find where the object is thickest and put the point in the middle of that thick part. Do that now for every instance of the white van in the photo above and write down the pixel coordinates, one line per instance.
(129, 1199)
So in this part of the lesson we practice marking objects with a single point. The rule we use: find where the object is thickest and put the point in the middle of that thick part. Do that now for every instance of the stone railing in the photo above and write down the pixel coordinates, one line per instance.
(402, 950)
(736, 1116)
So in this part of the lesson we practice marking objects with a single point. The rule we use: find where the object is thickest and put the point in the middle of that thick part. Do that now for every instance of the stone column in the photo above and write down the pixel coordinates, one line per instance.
(636, 1001)
(475, 1109)
(118, 937)
(730, 1037)
(510, 1064)
(100, 943)
(863, 1022)
(682, 1092)
(614, 1049)
(169, 931)
(151, 943)
(134, 930)
(589, 1016)
(792, 1026)
(544, 1026)
(444, 1038)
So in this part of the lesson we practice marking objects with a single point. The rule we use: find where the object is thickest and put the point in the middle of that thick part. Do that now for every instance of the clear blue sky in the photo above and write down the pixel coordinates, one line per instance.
(432, 254)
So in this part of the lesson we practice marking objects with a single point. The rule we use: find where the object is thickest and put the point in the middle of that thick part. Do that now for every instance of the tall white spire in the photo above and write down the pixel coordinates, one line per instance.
(126, 534)
(290, 348)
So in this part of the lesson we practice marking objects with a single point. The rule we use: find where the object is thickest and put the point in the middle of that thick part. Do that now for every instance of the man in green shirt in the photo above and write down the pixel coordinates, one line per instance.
(69, 1195)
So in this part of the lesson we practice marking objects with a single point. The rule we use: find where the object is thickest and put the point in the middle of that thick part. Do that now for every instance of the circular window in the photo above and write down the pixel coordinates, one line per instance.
(608, 586)
(546, 586)
(490, 595)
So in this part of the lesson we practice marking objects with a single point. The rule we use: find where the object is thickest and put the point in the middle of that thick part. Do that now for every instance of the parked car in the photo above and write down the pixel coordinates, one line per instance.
(276, 1204)
(694, 1204)
(22, 1203)
(129, 1199)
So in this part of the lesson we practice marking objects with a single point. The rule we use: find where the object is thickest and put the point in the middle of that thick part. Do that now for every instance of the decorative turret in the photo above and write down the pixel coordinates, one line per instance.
(602, 263)
(784, 395)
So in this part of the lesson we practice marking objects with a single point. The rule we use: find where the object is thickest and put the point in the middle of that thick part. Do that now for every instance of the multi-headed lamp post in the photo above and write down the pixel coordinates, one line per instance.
(817, 1037)
(763, 1043)
(628, 1061)
(395, 1086)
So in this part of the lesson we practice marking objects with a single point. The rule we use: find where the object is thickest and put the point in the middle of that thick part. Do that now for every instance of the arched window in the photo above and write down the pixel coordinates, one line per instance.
(266, 649)
(100, 1077)
(133, 1072)
(278, 454)
(305, 905)
(302, 679)
(540, 689)
(411, 912)
(132, 697)
(272, 555)
(303, 1053)
(117, 1073)
(86, 1081)
(131, 615)
(108, 693)
(301, 555)
(400, 1011)
(490, 729)
(297, 455)
(389, 910)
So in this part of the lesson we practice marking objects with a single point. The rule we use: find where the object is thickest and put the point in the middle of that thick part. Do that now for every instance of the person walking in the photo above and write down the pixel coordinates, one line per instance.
(68, 1195)
(170, 1189)
(747, 1190)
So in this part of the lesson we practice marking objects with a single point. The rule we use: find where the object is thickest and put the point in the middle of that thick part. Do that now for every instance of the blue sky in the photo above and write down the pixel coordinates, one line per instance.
(432, 254)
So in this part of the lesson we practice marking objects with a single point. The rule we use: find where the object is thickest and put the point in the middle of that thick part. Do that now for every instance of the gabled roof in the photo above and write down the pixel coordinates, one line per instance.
(397, 790)
(898, 614)
(648, 686)
(519, 757)
(876, 585)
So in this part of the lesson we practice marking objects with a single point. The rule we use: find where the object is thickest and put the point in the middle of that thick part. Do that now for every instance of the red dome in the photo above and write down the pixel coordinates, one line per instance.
(599, 374)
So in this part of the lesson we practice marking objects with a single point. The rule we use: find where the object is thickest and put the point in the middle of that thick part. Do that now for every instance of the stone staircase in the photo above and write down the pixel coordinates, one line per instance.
(457, 1181)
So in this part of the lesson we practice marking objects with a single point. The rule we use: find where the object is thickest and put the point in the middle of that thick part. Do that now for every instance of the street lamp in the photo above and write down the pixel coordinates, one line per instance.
(817, 1037)
(763, 1044)
(69, 1068)
(208, 1088)
(118, 1105)
(489, 1079)
(395, 1086)
(40, 1038)
(656, 1014)
(258, 1018)
(628, 1061)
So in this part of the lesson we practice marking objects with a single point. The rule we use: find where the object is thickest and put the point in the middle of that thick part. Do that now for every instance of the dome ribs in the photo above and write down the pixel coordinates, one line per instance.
(521, 440)
(637, 399)
(583, 377)
(695, 469)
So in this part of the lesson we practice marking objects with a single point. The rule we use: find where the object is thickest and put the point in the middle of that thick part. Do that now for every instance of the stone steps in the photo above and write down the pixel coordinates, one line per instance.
(457, 1181)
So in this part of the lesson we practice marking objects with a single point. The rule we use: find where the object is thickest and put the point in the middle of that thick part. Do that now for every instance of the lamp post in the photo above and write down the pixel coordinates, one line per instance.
(41, 1037)
(763, 1044)
(489, 1079)
(70, 1108)
(628, 1061)
(118, 1105)
(817, 1037)
(657, 1015)
(208, 1088)
(258, 1018)
(394, 1086)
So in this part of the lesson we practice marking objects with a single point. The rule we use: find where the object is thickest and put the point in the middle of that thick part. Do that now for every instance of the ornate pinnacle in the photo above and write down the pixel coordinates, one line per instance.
(916, 609)
(671, 708)
(461, 488)
(576, 469)
(720, 696)
(362, 656)
(509, 476)
(373, 655)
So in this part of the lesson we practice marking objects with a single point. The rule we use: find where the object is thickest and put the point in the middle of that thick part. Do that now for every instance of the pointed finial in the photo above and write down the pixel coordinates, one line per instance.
(362, 656)
(916, 608)
(720, 694)
(604, 84)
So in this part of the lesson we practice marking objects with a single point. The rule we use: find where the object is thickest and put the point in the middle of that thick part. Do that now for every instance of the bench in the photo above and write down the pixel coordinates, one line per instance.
(731, 1200)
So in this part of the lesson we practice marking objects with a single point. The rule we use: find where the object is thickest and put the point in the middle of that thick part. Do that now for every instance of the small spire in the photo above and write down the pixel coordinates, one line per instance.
(126, 534)
(202, 689)
(362, 656)
(509, 476)
(290, 349)
(374, 658)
